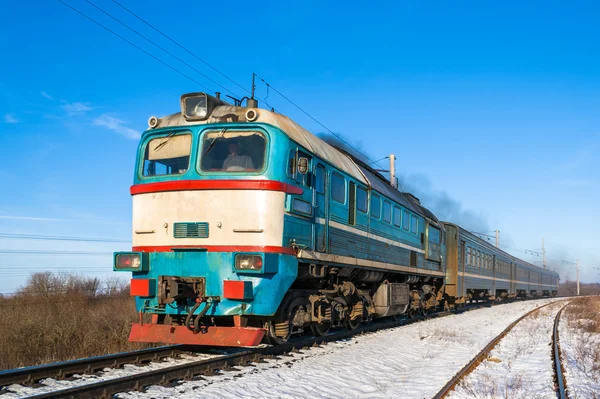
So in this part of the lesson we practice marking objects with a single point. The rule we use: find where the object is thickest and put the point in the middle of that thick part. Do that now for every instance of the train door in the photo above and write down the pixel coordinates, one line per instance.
(321, 222)
(513, 277)
(463, 251)
(452, 261)
(493, 275)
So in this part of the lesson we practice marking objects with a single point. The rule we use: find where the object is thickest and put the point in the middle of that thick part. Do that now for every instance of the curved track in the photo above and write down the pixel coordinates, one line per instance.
(189, 370)
(558, 369)
(483, 354)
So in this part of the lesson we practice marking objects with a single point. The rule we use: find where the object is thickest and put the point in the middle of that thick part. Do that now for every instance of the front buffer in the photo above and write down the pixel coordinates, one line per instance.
(207, 296)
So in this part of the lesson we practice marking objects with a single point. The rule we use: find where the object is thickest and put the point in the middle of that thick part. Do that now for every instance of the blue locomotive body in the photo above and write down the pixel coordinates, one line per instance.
(246, 225)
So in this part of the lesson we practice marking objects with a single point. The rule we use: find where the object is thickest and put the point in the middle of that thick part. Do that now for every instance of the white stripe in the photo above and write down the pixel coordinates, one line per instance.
(371, 236)
(310, 255)
(466, 274)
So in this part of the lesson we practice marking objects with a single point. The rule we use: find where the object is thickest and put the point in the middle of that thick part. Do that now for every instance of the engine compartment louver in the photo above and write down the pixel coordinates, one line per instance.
(190, 230)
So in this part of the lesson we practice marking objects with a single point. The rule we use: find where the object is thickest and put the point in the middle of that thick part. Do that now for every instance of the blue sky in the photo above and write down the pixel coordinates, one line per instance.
(491, 109)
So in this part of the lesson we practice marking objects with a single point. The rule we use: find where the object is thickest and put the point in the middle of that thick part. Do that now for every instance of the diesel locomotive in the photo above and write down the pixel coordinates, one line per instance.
(247, 227)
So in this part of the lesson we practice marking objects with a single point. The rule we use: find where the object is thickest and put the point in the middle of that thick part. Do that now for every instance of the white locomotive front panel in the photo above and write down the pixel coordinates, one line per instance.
(230, 217)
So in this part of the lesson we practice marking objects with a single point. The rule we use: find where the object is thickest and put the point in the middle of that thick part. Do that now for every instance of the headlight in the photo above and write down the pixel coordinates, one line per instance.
(248, 262)
(128, 261)
(194, 106)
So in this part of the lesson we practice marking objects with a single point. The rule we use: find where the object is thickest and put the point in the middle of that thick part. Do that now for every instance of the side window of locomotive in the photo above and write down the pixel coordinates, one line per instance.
(406, 221)
(387, 212)
(414, 226)
(338, 188)
(320, 179)
(375, 206)
(433, 247)
(232, 151)
(291, 167)
(167, 155)
(397, 216)
(361, 200)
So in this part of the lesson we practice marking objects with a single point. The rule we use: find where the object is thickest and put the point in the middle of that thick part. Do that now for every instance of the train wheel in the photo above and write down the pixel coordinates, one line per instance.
(279, 333)
(353, 324)
(320, 330)
(356, 316)
(411, 312)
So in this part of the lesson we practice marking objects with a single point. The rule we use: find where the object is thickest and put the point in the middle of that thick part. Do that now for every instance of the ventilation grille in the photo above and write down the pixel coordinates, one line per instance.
(352, 205)
(413, 258)
(190, 230)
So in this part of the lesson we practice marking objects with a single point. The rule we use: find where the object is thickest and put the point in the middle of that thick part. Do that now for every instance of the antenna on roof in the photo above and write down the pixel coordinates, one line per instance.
(252, 102)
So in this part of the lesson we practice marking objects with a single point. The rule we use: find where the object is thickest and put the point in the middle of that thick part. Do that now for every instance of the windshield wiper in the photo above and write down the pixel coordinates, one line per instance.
(212, 143)
(162, 144)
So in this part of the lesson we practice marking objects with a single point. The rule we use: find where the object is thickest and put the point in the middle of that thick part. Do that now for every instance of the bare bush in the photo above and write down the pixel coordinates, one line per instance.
(584, 314)
(60, 317)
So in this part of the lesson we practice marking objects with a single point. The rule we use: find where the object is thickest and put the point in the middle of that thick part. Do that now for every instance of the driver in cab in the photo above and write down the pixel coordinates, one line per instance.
(236, 162)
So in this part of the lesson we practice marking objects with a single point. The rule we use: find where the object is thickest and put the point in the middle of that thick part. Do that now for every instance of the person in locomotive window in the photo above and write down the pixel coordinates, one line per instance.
(235, 161)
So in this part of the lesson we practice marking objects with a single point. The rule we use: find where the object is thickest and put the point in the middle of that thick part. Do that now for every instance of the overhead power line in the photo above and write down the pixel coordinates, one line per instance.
(136, 46)
(58, 238)
(315, 119)
(203, 61)
(161, 48)
(182, 47)
(44, 252)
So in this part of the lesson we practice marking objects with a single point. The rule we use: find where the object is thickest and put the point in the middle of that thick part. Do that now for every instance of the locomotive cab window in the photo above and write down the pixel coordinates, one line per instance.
(167, 155)
(235, 151)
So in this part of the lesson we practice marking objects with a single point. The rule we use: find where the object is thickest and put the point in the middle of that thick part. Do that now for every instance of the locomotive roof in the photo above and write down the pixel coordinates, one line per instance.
(321, 149)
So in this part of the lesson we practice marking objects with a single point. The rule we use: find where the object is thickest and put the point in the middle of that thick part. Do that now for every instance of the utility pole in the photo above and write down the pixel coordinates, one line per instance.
(543, 254)
(497, 238)
(576, 264)
(393, 170)
(577, 277)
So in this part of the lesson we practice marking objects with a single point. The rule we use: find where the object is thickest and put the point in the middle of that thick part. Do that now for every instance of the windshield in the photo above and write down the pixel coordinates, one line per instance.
(225, 151)
(169, 155)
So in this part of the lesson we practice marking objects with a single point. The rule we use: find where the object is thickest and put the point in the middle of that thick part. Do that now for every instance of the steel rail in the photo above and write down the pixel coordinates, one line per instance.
(482, 355)
(187, 371)
(61, 370)
(558, 369)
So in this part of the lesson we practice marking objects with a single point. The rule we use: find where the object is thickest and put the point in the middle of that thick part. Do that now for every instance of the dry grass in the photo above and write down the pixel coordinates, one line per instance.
(60, 318)
(584, 314)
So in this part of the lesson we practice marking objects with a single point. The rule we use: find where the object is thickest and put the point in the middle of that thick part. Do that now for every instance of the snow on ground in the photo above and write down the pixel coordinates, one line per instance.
(413, 361)
(50, 384)
(520, 366)
(579, 335)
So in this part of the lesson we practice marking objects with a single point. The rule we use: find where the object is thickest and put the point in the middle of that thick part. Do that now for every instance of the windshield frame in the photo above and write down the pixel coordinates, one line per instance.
(166, 134)
(228, 130)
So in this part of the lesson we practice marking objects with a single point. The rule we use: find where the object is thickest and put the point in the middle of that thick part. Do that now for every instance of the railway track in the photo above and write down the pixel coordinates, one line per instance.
(186, 371)
(170, 374)
(483, 354)
(62, 370)
(558, 369)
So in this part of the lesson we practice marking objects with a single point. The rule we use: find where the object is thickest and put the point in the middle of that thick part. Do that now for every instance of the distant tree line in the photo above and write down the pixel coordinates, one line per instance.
(570, 288)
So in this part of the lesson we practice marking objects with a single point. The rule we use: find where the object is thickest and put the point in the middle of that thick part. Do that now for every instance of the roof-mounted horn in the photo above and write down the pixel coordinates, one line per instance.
(198, 106)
